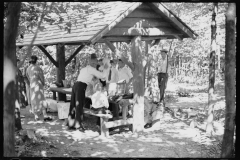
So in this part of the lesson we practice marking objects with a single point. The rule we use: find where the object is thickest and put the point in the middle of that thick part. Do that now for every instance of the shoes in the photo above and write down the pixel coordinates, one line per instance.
(48, 118)
(148, 125)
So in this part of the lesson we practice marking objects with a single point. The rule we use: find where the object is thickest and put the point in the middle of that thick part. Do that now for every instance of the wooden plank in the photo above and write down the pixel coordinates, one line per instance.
(114, 23)
(162, 10)
(128, 38)
(48, 55)
(117, 123)
(74, 54)
(81, 32)
(138, 86)
(91, 112)
(142, 31)
(143, 23)
(110, 45)
(58, 40)
(60, 57)
(144, 13)
(63, 90)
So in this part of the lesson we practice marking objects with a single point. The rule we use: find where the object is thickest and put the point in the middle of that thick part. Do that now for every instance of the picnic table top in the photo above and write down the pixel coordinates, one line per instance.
(64, 90)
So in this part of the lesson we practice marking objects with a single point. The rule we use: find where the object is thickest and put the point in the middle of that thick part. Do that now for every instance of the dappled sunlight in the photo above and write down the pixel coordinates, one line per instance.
(150, 139)
(35, 122)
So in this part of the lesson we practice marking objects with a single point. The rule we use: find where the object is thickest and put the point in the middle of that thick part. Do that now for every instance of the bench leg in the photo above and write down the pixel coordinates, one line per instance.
(54, 96)
(124, 112)
(104, 130)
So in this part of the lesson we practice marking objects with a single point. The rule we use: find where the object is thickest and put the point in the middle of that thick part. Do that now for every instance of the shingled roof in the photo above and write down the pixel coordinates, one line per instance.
(116, 21)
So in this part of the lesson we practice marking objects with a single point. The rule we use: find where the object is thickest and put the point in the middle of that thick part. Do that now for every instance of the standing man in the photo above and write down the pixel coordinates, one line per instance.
(85, 77)
(162, 72)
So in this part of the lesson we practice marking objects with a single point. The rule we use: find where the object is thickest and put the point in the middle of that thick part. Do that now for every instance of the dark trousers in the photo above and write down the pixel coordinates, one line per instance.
(75, 116)
(162, 84)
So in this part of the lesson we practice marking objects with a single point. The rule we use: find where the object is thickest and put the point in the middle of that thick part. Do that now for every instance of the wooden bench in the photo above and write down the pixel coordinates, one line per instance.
(105, 124)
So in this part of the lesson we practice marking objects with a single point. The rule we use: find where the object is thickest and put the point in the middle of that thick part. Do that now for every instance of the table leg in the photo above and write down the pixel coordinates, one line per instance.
(124, 112)
(54, 95)
(104, 130)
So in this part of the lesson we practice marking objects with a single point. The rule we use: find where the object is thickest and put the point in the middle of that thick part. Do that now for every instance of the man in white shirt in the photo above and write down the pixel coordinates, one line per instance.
(162, 72)
(85, 77)
(125, 74)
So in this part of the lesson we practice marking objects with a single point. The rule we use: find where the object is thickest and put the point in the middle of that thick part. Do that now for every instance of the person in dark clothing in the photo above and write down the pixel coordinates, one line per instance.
(85, 77)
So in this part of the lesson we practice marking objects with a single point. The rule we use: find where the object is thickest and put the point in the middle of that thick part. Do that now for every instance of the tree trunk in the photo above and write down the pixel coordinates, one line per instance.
(209, 126)
(230, 82)
(10, 33)
(61, 68)
(138, 87)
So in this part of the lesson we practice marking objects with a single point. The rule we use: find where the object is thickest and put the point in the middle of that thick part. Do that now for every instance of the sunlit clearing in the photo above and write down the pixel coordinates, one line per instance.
(53, 123)
(148, 139)
(34, 122)
(99, 153)
(114, 147)
(129, 150)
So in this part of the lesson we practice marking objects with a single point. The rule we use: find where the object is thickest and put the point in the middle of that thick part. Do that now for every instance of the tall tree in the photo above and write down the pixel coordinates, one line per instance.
(230, 82)
(209, 126)
(10, 32)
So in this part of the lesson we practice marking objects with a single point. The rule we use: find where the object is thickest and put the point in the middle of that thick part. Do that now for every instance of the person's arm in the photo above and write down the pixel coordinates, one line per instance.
(99, 74)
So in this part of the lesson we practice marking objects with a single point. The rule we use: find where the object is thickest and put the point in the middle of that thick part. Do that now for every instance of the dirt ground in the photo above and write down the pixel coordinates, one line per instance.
(169, 137)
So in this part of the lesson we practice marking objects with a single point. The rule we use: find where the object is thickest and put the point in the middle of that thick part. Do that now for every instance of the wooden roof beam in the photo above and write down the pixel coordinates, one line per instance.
(48, 55)
(114, 23)
(113, 49)
(74, 54)
(166, 13)
(178, 37)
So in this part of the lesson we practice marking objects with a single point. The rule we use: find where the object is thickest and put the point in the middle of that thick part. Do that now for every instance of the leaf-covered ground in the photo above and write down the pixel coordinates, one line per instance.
(171, 136)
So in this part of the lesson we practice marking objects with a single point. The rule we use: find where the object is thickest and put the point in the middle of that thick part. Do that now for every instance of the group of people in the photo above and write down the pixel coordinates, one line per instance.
(112, 77)
(105, 72)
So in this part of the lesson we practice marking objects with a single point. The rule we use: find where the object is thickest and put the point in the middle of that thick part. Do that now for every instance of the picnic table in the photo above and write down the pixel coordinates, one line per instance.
(63, 90)
(105, 124)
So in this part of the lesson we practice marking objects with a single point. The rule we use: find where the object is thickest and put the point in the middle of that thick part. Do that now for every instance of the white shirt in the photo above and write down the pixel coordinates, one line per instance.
(163, 66)
(114, 76)
(87, 73)
(125, 74)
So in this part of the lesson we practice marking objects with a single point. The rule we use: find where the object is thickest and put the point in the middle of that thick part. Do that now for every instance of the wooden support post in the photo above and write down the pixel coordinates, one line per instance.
(61, 68)
(124, 112)
(48, 55)
(138, 87)
(74, 54)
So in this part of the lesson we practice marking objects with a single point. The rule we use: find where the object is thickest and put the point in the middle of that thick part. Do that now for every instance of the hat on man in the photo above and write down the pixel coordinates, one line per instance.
(33, 59)
(93, 56)
(164, 50)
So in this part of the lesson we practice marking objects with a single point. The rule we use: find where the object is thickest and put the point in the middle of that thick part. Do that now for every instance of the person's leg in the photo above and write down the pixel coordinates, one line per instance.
(80, 99)
(114, 108)
(161, 85)
(165, 86)
(72, 109)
